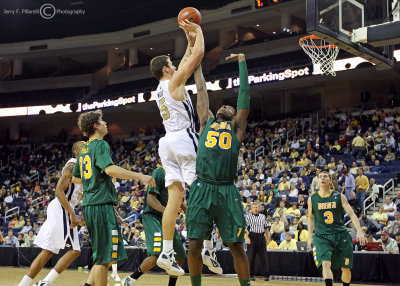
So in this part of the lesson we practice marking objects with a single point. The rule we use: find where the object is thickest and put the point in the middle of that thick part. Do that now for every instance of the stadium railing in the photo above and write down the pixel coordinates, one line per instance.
(10, 158)
(11, 211)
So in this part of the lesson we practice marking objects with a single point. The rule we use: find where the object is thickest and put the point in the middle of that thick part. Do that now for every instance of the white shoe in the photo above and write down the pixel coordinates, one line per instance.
(210, 259)
(115, 276)
(43, 283)
(166, 261)
(128, 281)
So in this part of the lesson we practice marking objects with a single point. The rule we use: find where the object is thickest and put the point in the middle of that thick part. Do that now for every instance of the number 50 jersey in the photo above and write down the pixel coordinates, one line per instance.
(328, 213)
(98, 187)
(218, 151)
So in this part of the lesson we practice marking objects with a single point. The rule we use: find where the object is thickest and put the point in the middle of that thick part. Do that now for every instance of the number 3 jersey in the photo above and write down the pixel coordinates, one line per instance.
(328, 213)
(218, 152)
(176, 115)
(98, 187)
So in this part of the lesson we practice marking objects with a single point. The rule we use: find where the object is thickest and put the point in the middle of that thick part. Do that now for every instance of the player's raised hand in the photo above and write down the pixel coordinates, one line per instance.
(361, 237)
(240, 57)
(188, 26)
(149, 180)
(191, 37)
(74, 220)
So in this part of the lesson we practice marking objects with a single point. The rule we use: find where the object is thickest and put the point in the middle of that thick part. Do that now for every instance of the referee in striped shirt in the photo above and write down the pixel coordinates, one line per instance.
(257, 236)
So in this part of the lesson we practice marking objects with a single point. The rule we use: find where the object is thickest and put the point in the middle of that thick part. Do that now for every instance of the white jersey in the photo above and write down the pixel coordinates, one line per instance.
(176, 115)
(74, 191)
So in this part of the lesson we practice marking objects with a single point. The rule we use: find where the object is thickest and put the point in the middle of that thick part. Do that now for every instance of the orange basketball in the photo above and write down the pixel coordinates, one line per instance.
(190, 13)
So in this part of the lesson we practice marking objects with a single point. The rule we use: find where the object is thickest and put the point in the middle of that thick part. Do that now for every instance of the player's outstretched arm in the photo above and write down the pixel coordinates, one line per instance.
(243, 103)
(121, 173)
(360, 233)
(310, 223)
(191, 38)
(202, 105)
(62, 185)
(185, 70)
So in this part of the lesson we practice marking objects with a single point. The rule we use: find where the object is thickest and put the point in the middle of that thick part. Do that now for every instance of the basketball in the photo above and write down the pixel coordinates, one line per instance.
(191, 14)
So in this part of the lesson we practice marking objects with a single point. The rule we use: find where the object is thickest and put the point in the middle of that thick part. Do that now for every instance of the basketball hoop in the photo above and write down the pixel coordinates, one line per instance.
(320, 52)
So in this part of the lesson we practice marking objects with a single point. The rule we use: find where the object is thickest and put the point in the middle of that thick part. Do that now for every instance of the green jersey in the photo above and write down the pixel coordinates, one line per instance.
(98, 187)
(328, 213)
(218, 152)
(160, 190)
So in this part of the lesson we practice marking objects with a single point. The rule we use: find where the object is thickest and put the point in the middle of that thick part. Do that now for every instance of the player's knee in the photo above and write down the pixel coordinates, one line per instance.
(346, 270)
(47, 254)
(195, 246)
(326, 264)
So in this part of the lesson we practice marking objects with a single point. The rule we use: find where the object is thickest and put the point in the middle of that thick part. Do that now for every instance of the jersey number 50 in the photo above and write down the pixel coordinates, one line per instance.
(88, 167)
(224, 140)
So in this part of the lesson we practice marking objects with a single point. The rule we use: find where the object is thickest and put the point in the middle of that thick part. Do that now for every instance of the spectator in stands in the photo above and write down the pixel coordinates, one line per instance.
(8, 199)
(301, 202)
(371, 225)
(396, 201)
(389, 207)
(314, 184)
(398, 240)
(373, 190)
(358, 144)
(304, 218)
(390, 156)
(362, 186)
(21, 239)
(293, 224)
(377, 168)
(85, 242)
(294, 180)
(293, 192)
(284, 185)
(284, 200)
(388, 243)
(394, 225)
(320, 163)
(277, 228)
(354, 203)
(293, 211)
(349, 183)
(380, 217)
(301, 234)
(137, 240)
(20, 223)
(288, 243)
(36, 227)
(10, 239)
(13, 222)
(27, 227)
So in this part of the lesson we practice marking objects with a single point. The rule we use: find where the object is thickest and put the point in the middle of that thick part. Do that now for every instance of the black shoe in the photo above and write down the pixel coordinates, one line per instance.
(252, 279)
(266, 278)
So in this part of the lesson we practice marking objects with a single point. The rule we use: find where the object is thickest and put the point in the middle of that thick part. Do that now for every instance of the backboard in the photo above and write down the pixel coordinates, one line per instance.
(335, 21)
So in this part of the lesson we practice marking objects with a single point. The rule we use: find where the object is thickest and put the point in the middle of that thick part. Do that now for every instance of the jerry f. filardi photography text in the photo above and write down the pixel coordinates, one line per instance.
(46, 11)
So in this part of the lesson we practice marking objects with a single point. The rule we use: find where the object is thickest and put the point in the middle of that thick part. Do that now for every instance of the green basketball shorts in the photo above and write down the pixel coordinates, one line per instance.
(209, 203)
(152, 229)
(107, 242)
(337, 248)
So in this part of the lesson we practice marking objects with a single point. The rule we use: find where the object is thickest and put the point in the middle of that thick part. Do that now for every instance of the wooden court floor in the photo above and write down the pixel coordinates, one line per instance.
(10, 276)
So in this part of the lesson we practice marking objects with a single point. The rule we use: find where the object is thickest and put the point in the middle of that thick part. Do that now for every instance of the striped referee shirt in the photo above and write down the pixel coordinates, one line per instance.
(256, 223)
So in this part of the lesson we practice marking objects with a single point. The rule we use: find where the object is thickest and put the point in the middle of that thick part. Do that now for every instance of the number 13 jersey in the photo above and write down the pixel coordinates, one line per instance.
(328, 213)
(218, 151)
(176, 115)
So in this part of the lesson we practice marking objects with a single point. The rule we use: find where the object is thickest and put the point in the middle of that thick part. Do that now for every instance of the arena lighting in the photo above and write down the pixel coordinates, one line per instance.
(339, 65)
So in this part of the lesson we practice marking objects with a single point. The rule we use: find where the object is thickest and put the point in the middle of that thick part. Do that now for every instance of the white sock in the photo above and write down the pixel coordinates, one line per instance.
(168, 245)
(114, 268)
(26, 281)
(208, 244)
(51, 276)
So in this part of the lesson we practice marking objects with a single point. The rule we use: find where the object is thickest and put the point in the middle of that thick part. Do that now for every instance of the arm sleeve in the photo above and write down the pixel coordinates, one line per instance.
(77, 171)
(244, 95)
(103, 158)
(159, 177)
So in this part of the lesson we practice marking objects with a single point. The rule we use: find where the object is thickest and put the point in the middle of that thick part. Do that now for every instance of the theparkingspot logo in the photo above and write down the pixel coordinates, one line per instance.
(46, 11)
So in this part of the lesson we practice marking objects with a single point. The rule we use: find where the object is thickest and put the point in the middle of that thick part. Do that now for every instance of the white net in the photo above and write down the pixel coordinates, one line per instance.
(321, 53)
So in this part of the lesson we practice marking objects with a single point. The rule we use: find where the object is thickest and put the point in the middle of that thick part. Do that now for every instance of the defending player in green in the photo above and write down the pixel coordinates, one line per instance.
(94, 171)
(213, 196)
(333, 246)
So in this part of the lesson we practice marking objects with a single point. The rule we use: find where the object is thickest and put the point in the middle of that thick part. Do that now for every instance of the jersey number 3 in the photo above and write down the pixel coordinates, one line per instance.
(328, 217)
(164, 110)
(224, 140)
(88, 167)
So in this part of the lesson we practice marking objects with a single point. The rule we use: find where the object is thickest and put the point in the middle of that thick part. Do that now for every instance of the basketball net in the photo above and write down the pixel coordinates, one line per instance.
(321, 53)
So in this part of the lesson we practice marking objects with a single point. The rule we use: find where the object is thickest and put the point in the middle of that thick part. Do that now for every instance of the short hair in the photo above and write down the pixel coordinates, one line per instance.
(325, 172)
(157, 64)
(77, 146)
(87, 120)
